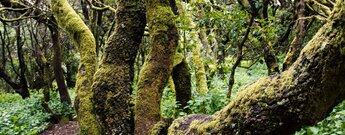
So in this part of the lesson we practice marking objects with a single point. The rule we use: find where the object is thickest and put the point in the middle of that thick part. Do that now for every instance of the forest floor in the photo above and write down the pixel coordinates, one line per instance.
(71, 128)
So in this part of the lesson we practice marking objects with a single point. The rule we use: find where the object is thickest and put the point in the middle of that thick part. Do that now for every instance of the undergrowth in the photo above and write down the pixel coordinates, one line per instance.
(27, 116)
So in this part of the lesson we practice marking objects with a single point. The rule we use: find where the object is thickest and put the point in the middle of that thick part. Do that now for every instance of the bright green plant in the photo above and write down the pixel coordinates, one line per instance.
(28, 117)
(22, 116)
(334, 124)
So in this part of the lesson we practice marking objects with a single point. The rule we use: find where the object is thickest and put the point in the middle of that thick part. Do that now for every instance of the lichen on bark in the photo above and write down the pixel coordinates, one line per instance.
(197, 58)
(112, 81)
(70, 21)
(281, 104)
(158, 64)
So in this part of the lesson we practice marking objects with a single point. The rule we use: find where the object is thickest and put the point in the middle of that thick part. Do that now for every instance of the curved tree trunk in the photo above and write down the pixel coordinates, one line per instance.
(280, 104)
(296, 44)
(158, 65)
(112, 81)
(239, 56)
(69, 20)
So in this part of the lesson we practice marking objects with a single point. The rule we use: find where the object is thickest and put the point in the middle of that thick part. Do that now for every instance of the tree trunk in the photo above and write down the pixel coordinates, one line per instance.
(296, 44)
(58, 71)
(197, 59)
(239, 56)
(112, 81)
(23, 83)
(280, 104)
(158, 65)
(182, 82)
(69, 20)
(71, 68)
(85, 9)
(270, 59)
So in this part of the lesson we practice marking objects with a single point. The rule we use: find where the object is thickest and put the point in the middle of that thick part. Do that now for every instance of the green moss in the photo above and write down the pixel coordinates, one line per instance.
(201, 82)
(158, 65)
(178, 57)
(69, 20)
(282, 103)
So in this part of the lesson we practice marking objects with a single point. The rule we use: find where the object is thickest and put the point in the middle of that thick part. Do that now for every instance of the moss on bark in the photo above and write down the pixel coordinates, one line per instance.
(281, 104)
(296, 44)
(158, 64)
(197, 59)
(270, 58)
(112, 81)
(70, 21)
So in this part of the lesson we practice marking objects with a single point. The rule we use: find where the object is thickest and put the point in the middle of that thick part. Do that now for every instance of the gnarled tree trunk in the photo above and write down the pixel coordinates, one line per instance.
(112, 81)
(281, 104)
(69, 20)
(158, 65)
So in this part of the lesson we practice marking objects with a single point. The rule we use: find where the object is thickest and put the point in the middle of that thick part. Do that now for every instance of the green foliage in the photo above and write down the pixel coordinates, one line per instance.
(211, 102)
(334, 124)
(19, 116)
(216, 98)
(169, 107)
(60, 109)
(28, 117)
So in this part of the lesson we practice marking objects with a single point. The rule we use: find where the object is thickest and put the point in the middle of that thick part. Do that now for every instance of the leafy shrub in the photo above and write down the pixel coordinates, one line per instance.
(18, 116)
(60, 109)
(22, 116)
(334, 124)
(169, 106)
(216, 98)
(211, 102)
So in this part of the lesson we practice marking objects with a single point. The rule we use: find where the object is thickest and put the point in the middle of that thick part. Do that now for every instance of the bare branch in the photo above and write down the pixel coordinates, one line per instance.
(103, 8)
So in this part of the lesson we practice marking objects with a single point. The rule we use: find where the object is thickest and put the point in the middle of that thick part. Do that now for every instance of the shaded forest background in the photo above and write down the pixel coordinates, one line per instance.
(223, 46)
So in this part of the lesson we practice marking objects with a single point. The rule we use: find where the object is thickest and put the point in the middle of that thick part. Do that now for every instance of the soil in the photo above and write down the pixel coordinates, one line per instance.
(71, 128)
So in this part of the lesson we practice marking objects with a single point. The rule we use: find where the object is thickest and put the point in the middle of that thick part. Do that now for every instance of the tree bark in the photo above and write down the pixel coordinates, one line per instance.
(280, 104)
(58, 71)
(23, 83)
(69, 20)
(158, 65)
(239, 56)
(270, 59)
(182, 82)
(296, 44)
(112, 81)
(197, 59)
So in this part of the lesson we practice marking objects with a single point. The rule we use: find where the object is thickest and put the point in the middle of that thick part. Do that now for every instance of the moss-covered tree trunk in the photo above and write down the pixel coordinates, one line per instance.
(158, 64)
(280, 104)
(69, 20)
(197, 59)
(200, 73)
(296, 44)
(112, 81)
(270, 58)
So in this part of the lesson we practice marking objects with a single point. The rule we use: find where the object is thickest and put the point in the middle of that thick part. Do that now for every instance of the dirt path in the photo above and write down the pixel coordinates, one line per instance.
(70, 128)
